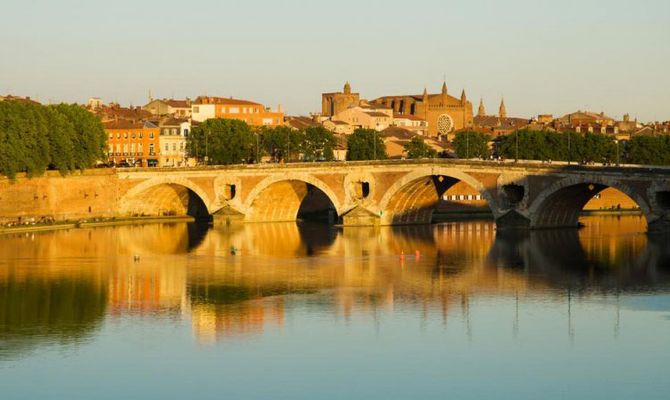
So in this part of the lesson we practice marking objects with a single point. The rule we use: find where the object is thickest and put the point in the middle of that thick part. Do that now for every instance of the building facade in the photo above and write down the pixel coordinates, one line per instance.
(173, 136)
(254, 114)
(335, 103)
(366, 117)
(412, 123)
(443, 113)
(171, 107)
(131, 143)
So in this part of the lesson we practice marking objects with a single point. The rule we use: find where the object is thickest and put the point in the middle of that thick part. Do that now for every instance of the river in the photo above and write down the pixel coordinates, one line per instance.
(292, 311)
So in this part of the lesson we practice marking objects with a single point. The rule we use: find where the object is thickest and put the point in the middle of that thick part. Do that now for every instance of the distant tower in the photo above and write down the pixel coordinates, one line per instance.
(463, 97)
(502, 113)
(444, 88)
(347, 88)
(425, 95)
(482, 111)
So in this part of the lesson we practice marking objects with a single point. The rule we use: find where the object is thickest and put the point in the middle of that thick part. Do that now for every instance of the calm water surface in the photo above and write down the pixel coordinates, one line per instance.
(315, 312)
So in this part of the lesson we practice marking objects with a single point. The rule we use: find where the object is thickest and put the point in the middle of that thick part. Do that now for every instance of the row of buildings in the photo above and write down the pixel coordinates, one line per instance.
(156, 134)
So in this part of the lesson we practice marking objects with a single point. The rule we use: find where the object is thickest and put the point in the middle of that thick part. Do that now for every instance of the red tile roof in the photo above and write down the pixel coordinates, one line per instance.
(224, 100)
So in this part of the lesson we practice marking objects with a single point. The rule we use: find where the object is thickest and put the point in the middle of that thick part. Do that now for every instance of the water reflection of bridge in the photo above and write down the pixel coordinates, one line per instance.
(189, 272)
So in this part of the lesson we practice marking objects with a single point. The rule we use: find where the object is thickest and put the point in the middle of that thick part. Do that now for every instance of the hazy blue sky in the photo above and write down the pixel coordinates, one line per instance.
(543, 56)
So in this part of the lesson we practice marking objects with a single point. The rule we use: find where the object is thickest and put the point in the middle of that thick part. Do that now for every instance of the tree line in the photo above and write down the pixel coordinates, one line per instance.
(34, 138)
(230, 141)
(588, 147)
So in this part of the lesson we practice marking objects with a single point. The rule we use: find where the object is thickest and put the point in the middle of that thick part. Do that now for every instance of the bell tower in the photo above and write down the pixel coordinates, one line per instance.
(502, 113)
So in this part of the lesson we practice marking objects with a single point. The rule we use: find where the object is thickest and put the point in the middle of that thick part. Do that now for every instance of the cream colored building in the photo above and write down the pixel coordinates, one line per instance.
(338, 127)
(412, 123)
(365, 117)
(173, 136)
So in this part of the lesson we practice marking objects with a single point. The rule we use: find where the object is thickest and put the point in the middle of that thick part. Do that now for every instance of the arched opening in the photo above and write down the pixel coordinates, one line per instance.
(292, 200)
(435, 198)
(575, 205)
(166, 200)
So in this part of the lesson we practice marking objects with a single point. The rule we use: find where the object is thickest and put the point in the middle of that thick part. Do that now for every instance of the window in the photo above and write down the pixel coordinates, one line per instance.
(174, 146)
(141, 135)
(151, 149)
(118, 148)
(125, 135)
(111, 136)
(174, 131)
(196, 109)
(234, 110)
(167, 147)
(132, 147)
(118, 135)
(185, 132)
(133, 135)
(151, 135)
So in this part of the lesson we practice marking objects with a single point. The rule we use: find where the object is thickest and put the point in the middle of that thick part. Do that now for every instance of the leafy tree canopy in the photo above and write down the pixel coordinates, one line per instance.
(365, 144)
(417, 148)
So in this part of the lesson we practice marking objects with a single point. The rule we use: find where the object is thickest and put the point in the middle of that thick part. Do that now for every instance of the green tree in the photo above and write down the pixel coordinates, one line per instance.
(281, 142)
(24, 143)
(90, 139)
(472, 144)
(549, 145)
(648, 150)
(222, 141)
(319, 144)
(417, 148)
(365, 144)
(61, 146)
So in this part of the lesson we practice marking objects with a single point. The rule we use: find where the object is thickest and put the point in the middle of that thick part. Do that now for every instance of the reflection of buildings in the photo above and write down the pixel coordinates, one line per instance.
(278, 266)
(211, 321)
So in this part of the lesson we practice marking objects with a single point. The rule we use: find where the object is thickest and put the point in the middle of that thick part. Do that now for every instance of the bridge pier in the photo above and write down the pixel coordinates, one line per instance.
(360, 216)
(227, 216)
(512, 220)
(659, 226)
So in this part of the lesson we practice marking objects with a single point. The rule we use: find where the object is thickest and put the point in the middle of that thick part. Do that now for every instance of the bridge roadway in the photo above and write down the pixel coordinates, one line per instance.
(520, 195)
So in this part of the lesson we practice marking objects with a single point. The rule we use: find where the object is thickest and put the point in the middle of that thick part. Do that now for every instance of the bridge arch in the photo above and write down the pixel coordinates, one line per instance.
(413, 198)
(561, 204)
(164, 195)
(281, 198)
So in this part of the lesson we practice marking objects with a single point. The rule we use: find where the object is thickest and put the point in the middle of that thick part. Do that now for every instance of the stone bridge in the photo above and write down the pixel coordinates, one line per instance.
(520, 195)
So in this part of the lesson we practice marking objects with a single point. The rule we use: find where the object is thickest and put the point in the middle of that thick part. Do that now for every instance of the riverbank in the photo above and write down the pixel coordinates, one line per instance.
(92, 224)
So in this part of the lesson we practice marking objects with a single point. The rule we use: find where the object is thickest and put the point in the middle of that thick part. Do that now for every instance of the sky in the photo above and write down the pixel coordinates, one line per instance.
(542, 56)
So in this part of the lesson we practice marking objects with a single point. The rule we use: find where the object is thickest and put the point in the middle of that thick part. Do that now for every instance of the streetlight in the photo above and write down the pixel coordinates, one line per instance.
(374, 146)
(617, 151)
(288, 146)
(569, 155)
(467, 145)
(516, 144)
(206, 147)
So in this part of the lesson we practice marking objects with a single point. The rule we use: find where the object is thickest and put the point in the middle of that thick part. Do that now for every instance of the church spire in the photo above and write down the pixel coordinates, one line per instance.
(347, 88)
(463, 97)
(502, 113)
(482, 111)
(425, 95)
(444, 87)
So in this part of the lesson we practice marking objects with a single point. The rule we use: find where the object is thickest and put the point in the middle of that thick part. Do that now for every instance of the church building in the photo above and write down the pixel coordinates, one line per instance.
(443, 113)
(335, 103)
